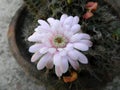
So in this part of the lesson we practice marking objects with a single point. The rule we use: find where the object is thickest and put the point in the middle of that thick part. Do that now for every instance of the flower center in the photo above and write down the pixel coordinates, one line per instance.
(59, 41)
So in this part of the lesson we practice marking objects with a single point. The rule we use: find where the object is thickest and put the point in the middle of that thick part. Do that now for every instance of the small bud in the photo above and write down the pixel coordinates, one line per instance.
(73, 76)
(87, 15)
(91, 6)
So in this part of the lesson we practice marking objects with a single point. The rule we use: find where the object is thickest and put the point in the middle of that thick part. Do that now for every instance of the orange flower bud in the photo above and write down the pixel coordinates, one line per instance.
(91, 6)
(73, 76)
(87, 15)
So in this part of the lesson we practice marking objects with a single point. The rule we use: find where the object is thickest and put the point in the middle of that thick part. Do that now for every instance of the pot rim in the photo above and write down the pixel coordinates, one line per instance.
(14, 47)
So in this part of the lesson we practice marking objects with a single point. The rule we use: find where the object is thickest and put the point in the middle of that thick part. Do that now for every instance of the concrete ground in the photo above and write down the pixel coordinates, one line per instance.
(12, 77)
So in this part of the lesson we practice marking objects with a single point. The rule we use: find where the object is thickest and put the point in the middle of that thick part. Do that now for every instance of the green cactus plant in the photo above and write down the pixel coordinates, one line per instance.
(100, 27)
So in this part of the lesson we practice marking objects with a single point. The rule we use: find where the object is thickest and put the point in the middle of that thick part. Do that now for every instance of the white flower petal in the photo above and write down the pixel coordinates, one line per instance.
(81, 46)
(43, 50)
(58, 71)
(43, 23)
(69, 47)
(76, 28)
(42, 29)
(57, 59)
(73, 54)
(52, 50)
(60, 49)
(68, 34)
(67, 27)
(36, 56)
(63, 17)
(79, 36)
(68, 21)
(64, 64)
(75, 20)
(35, 37)
(56, 26)
(74, 64)
(51, 21)
(63, 53)
(43, 61)
(36, 47)
(49, 64)
(46, 42)
(82, 58)
(87, 42)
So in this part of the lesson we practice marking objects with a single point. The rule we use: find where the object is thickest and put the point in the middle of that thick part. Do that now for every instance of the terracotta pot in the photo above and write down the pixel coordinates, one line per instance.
(14, 44)
(22, 56)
